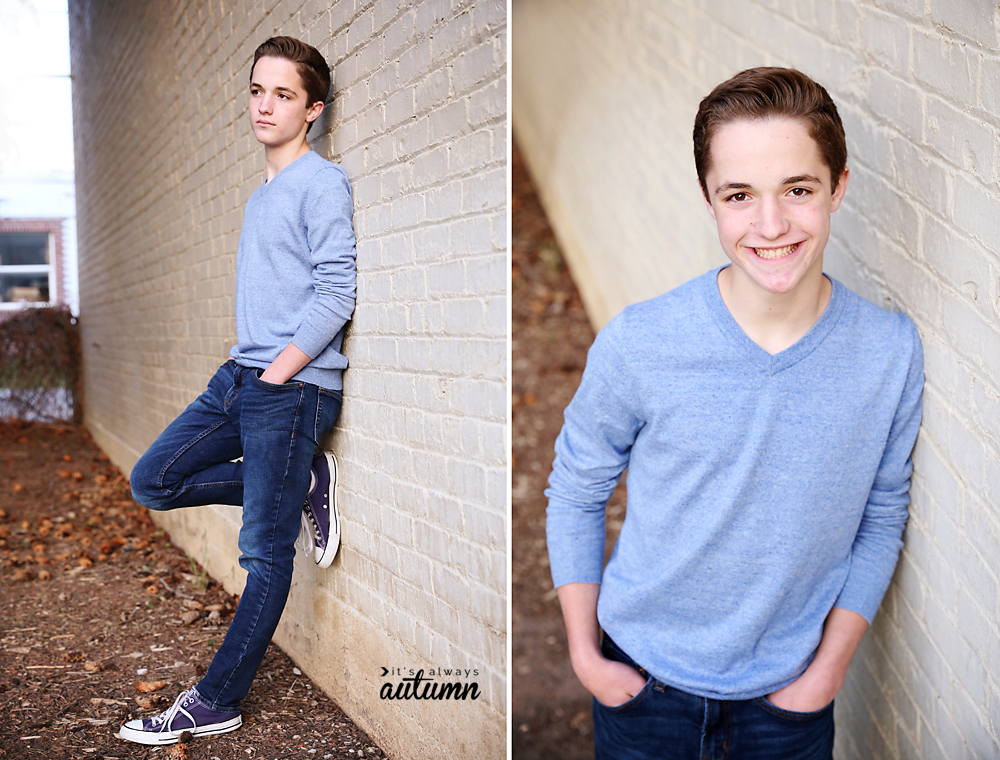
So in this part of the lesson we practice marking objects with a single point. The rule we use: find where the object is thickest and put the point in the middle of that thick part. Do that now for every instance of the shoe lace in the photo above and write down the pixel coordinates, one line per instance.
(167, 716)
(306, 532)
(308, 527)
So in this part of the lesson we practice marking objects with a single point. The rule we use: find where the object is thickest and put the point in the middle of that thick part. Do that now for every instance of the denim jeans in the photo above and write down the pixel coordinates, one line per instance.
(663, 722)
(275, 429)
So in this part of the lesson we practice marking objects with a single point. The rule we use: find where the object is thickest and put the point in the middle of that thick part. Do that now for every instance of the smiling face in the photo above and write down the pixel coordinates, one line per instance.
(771, 196)
(279, 107)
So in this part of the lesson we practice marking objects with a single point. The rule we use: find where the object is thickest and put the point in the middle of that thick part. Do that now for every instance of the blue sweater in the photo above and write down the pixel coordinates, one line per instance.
(762, 490)
(295, 270)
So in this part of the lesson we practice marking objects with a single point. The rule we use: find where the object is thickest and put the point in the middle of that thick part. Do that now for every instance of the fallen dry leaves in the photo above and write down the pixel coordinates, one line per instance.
(145, 686)
(149, 701)
(178, 751)
(77, 644)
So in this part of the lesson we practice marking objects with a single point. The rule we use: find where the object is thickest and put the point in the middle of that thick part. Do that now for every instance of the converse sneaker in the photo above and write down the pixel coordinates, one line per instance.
(320, 531)
(186, 714)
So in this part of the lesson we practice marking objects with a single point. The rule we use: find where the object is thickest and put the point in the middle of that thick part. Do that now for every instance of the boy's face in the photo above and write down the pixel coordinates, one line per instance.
(771, 196)
(279, 107)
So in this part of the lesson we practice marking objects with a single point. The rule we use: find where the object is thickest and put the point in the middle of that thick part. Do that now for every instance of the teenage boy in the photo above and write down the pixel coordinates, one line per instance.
(766, 415)
(278, 394)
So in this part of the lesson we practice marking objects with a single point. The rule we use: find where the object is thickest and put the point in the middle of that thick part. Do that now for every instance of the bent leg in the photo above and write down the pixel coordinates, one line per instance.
(190, 463)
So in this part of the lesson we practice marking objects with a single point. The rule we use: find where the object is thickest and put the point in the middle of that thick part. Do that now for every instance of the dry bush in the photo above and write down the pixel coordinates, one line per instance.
(39, 354)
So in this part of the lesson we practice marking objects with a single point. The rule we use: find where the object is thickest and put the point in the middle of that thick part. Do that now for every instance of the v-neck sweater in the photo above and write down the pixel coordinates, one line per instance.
(762, 490)
(296, 276)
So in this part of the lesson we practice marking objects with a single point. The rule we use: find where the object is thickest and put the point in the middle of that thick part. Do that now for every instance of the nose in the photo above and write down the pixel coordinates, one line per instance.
(264, 104)
(770, 222)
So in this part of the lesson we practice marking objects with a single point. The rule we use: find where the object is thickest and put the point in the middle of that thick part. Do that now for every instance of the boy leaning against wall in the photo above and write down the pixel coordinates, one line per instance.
(278, 394)
(766, 415)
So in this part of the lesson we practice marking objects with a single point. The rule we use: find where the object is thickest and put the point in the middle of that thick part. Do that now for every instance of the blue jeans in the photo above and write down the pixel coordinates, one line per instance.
(275, 429)
(663, 722)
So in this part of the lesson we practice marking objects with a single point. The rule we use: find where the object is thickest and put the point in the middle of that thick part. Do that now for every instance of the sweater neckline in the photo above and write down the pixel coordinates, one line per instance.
(267, 185)
(757, 356)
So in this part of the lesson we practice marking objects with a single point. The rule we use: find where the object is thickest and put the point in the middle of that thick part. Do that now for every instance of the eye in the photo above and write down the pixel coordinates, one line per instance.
(737, 197)
(800, 192)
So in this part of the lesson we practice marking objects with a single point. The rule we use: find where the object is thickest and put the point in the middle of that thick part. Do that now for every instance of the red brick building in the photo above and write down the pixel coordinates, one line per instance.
(32, 263)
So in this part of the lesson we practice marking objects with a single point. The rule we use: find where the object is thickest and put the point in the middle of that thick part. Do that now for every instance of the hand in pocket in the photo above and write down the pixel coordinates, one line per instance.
(612, 683)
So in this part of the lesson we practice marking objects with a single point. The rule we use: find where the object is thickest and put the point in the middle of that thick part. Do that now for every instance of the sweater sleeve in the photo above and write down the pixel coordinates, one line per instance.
(876, 546)
(329, 210)
(592, 451)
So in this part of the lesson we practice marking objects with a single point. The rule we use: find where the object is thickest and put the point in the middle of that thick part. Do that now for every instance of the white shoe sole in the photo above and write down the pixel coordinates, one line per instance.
(170, 737)
(324, 557)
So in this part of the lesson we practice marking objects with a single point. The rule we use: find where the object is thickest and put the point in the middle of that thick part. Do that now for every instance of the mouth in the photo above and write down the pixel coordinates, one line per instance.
(776, 253)
(264, 124)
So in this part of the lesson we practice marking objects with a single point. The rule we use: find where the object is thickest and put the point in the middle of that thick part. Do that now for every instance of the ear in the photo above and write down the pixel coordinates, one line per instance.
(708, 203)
(838, 194)
(314, 111)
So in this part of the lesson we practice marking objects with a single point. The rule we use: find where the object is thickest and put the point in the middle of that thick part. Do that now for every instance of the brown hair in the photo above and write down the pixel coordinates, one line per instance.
(769, 92)
(309, 62)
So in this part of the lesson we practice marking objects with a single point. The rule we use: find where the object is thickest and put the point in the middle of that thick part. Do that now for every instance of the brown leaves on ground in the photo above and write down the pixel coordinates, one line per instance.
(146, 686)
(94, 628)
(103, 521)
(179, 751)
(189, 617)
(149, 701)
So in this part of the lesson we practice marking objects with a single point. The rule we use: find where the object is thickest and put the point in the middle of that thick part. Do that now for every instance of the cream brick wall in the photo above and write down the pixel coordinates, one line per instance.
(603, 105)
(165, 164)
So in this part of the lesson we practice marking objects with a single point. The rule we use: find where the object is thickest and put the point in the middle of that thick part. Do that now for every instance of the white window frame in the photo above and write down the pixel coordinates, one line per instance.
(49, 269)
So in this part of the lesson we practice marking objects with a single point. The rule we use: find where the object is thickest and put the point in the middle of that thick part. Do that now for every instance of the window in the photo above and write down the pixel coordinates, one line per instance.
(25, 267)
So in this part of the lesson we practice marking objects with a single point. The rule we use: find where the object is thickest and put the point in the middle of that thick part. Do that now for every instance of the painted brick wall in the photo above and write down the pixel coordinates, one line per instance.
(603, 104)
(166, 162)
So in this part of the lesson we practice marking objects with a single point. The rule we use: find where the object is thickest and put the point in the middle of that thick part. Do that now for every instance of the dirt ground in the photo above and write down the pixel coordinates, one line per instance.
(551, 715)
(97, 605)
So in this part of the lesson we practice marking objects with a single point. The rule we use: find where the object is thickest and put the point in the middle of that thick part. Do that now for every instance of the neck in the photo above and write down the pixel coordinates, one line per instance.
(279, 156)
(774, 321)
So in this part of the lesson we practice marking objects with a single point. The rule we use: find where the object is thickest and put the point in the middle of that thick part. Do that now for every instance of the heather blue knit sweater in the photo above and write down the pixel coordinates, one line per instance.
(295, 270)
(762, 490)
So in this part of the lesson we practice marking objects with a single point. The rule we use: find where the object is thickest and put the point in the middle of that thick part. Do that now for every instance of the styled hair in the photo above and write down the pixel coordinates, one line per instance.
(309, 62)
(770, 92)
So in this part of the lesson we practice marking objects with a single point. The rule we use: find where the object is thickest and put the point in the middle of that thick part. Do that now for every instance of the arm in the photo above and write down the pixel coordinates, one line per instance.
(328, 211)
(592, 451)
(873, 556)
(819, 684)
(879, 535)
(612, 683)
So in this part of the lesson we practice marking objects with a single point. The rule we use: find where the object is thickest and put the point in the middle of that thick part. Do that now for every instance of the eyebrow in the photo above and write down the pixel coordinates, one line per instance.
(279, 88)
(798, 179)
(732, 186)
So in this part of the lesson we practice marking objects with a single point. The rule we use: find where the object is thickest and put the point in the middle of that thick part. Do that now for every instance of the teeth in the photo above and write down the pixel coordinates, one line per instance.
(775, 253)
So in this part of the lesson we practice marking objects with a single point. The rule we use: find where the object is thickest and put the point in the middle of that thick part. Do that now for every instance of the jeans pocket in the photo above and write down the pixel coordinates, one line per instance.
(768, 707)
(635, 700)
(255, 374)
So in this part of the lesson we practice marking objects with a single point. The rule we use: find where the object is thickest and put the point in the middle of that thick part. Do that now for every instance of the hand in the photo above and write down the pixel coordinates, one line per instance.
(285, 365)
(805, 694)
(612, 683)
(271, 376)
(819, 684)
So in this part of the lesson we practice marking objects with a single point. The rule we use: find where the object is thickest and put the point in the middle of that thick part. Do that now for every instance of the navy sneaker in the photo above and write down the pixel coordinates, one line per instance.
(186, 714)
(320, 531)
